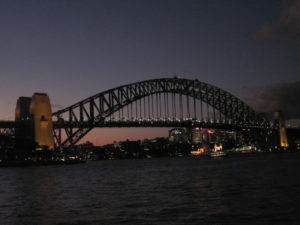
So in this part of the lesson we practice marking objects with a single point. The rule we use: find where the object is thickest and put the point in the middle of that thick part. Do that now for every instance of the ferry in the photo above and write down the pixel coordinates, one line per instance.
(217, 152)
(246, 149)
(199, 151)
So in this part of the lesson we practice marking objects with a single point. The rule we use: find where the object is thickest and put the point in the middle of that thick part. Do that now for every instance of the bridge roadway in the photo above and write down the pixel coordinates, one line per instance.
(11, 125)
(153, 123)
(225, 125)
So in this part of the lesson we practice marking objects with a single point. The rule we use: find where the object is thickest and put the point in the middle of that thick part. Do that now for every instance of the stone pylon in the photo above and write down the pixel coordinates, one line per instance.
(37, 112)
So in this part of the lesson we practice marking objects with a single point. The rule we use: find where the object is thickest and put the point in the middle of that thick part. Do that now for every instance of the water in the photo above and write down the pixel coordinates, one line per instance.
(260, 189)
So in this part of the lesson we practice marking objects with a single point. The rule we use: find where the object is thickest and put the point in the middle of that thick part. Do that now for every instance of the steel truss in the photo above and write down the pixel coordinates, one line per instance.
(7, 128)
(92, 112)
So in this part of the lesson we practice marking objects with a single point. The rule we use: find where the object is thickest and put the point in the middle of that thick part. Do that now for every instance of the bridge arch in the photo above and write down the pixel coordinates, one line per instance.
(100, 106)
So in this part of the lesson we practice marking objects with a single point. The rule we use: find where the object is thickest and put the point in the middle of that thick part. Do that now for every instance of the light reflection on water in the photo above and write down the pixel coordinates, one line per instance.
(260, 189)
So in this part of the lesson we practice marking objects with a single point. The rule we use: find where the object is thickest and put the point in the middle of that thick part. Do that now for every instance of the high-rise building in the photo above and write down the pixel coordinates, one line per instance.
(177, 135)
(195, 135)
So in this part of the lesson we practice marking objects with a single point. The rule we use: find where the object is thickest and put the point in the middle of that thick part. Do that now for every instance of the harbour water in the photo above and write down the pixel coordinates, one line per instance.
(242, 189)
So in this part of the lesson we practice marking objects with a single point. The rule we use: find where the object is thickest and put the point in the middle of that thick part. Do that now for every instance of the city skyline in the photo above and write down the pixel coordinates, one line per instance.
(72, 50)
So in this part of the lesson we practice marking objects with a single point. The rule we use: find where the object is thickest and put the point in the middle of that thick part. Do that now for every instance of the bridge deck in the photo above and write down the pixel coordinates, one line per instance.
(137, 123)
(144, 123)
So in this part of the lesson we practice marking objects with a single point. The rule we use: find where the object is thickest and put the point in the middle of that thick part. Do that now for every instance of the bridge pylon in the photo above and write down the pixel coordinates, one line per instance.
(36, 111)
(279, 123)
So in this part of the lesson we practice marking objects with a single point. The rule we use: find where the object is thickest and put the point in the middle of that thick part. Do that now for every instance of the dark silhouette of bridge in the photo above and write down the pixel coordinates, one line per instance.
(167, 102)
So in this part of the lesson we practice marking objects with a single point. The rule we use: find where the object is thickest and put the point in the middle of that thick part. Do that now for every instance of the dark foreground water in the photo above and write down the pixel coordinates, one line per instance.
(260, 189)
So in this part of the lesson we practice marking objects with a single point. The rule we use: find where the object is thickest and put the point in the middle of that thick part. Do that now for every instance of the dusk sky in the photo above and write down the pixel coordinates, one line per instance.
(74, 49)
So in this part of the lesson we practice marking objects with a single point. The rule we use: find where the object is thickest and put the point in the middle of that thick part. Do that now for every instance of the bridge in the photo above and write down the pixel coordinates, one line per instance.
(167, 102)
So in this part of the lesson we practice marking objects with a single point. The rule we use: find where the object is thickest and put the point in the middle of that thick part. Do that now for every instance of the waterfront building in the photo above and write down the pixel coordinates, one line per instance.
(178, 135)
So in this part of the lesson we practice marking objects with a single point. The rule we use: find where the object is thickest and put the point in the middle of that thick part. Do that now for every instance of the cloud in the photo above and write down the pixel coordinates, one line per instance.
(284, 97)
(287, 28)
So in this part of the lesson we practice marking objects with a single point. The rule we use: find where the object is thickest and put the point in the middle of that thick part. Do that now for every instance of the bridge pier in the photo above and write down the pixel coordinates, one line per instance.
(281, 136)
(37, 111)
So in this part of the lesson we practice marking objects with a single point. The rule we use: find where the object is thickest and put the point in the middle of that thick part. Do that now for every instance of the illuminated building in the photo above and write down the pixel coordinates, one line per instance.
(177, 135)
(195, 135)
(212, 138)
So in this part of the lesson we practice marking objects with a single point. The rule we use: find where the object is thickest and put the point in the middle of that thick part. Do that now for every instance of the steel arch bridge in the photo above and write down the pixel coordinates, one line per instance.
(158, 102)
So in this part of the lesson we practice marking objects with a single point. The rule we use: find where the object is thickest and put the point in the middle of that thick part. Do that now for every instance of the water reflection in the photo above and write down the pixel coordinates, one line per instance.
(156, 191)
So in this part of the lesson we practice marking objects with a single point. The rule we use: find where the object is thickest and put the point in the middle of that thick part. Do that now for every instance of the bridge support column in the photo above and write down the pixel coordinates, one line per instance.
(23, 114)
(37, 111)
(40, 109)
(279, 122)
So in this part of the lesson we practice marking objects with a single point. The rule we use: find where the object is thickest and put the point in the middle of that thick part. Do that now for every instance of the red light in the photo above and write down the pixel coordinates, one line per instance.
(210, 131)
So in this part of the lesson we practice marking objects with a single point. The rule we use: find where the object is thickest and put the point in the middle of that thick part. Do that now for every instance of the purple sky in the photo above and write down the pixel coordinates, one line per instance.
(74, 49)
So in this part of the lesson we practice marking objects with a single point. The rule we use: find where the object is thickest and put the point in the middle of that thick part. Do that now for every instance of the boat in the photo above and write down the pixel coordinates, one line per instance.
(217, 154)
(199, 151)
(245, 149)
